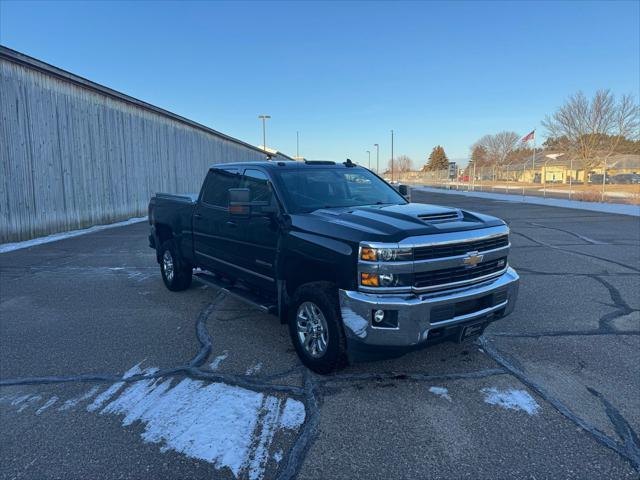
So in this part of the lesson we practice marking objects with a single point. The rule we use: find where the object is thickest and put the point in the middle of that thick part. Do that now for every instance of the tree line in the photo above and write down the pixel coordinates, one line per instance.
(589, 130)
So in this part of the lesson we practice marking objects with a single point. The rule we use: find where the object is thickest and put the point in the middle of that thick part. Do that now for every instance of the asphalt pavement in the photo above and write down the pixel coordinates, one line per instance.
(106, 374)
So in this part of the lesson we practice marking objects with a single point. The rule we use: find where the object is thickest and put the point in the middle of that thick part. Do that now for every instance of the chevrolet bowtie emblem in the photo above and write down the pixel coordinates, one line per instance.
(472, 259)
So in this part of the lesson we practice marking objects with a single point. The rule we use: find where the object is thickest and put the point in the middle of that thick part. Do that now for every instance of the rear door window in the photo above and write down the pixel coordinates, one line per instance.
(216, 190)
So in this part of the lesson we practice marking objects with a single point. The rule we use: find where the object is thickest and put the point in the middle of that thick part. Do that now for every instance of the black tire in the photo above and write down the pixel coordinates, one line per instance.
(325, 297)
(179, 276)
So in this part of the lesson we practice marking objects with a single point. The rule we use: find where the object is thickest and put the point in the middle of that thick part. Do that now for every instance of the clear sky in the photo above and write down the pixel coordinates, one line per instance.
(342, 74)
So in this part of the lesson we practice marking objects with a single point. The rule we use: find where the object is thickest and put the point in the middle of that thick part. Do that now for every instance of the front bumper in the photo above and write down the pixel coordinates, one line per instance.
(420, 317)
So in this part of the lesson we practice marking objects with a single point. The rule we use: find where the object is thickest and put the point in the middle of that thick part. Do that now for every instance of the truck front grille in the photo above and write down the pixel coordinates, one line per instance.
(443, 251)
(458, 274)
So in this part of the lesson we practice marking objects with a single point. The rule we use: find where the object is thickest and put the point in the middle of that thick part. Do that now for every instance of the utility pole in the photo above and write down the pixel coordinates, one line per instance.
(369, 153)
(377, 158)
(392, 155)
(264, 130)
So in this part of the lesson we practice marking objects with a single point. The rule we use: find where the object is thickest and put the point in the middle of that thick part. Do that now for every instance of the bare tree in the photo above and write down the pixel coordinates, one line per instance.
(592, 130)
(401, 164)
(498, 147)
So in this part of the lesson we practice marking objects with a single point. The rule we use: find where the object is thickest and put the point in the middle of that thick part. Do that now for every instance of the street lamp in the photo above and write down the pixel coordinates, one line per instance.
(264, 130)
(377, 158)
(369, 153)
(392, 156)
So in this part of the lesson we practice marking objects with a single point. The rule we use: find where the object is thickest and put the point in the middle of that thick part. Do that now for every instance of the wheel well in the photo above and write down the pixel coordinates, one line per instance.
(164, 233)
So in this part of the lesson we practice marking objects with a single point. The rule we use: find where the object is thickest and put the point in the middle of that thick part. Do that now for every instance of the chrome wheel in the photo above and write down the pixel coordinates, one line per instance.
(167, 265)
(313, 332)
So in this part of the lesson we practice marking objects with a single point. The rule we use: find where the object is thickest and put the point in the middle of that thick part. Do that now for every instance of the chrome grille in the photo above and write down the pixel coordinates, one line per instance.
(452, 250)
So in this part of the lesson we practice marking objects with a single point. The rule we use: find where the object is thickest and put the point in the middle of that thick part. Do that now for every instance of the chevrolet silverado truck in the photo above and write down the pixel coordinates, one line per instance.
(339, 255)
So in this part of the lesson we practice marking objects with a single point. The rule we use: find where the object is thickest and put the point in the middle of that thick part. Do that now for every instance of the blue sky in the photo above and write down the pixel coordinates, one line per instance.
(343, 74)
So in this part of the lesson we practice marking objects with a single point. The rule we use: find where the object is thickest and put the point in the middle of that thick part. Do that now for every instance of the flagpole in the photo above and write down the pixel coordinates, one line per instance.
(533, 159)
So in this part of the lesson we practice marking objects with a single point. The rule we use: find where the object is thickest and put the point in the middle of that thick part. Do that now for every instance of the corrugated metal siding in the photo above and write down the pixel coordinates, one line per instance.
(72, 157)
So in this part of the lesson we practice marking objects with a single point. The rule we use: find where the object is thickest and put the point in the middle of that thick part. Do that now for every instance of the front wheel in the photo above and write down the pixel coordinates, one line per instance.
(316, 329)
(175, 275)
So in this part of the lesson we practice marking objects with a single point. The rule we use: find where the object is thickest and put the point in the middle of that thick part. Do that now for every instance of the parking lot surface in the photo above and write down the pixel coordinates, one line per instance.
(106, 374)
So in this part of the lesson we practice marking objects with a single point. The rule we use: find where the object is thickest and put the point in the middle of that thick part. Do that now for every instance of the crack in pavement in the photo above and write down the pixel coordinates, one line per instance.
(621, 426)
(622, 449)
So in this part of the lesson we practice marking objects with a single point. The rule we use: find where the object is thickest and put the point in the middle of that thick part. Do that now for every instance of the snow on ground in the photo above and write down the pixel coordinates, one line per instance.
(253, 369)
(228, 426)
(511, 399)
(9, 247)
(47, 404)
(215, 364)
(621, 209)
(441, 392)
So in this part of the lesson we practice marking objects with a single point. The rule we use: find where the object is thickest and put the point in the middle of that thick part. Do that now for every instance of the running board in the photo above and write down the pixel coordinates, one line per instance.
(237, 291)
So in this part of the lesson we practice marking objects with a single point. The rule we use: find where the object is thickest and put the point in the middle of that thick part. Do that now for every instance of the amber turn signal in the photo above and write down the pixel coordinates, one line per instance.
(369, 279)
(368, 254)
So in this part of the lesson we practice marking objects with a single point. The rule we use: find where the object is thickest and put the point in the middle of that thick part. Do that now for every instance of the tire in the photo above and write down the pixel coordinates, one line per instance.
(175, 274)
(320, 343)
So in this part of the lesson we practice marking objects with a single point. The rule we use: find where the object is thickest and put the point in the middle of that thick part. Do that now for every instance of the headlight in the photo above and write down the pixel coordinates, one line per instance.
(386, 254)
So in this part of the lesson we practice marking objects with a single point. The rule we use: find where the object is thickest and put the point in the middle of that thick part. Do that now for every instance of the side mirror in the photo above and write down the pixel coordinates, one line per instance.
(403, 190)
(239, 201)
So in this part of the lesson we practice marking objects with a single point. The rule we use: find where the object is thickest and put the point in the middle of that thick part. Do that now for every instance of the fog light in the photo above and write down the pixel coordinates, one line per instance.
(387, 279)
(378, 316)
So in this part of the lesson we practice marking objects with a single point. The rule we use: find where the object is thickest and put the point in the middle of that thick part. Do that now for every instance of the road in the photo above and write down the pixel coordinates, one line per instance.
(106, 374)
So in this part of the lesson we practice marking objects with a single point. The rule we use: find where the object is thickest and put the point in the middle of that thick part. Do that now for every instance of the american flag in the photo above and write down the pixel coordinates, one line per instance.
(529, 136)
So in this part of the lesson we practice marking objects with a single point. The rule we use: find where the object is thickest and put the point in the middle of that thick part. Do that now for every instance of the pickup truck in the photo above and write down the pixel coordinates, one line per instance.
(351, 266)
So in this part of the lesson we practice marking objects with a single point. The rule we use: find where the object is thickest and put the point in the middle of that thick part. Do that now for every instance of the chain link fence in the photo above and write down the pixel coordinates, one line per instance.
(550, 182)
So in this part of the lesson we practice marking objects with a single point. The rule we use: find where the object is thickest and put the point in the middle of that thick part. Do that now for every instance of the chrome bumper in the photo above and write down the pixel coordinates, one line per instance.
(414, 311)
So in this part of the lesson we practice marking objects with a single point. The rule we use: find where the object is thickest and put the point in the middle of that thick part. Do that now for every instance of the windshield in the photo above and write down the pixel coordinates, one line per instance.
(309, 189)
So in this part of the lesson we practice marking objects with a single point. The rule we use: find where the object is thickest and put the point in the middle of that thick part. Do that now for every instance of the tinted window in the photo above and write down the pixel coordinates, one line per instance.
(258, 183)
(313, 188)
(219, 182)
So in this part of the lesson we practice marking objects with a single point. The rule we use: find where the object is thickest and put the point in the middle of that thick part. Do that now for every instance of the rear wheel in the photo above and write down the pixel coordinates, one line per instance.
(316, 330)
(175, 274)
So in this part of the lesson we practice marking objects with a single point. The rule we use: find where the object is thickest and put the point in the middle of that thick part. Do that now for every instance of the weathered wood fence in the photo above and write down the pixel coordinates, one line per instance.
(75, 154)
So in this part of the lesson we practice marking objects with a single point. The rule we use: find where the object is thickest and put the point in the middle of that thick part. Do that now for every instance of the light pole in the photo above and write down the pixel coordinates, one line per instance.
(369, 153)
(377, 158)
(264, 130)
(297, 145)
(392, 156)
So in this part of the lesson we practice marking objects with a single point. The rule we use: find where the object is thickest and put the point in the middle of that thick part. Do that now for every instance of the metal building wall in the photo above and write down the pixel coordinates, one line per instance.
(74, 154)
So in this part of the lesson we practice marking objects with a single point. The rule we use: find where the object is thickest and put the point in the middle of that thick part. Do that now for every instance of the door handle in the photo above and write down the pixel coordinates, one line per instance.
(231, 223)
(197, 216)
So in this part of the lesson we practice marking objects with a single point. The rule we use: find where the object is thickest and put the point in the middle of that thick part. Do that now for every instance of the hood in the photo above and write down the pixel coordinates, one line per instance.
(390, 223)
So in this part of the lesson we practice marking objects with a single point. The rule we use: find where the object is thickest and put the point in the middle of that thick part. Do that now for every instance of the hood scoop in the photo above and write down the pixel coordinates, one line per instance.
(447, 216)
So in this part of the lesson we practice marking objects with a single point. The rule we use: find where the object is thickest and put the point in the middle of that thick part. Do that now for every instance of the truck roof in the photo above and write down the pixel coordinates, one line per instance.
(288, 164)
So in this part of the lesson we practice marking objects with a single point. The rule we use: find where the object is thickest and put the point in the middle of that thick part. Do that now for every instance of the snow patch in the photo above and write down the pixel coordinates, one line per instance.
(293, 414)
(441, 392)
(9, 247)
(228, 426)
(73, 402)
(47, 404)
(511, 399)
(277, 456)
(253, 369)
(215, 364)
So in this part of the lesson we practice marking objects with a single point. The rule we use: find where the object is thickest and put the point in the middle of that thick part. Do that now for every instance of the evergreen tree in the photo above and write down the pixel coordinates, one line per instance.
(437, 160)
